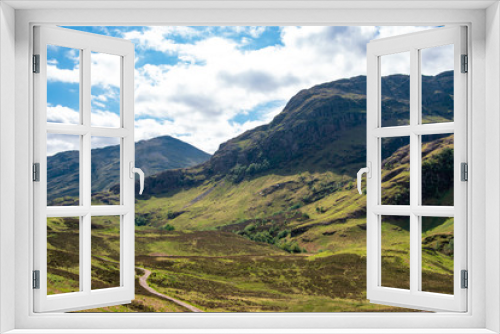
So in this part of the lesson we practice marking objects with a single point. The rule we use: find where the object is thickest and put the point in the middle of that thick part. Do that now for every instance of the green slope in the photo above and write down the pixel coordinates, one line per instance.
(273, 222)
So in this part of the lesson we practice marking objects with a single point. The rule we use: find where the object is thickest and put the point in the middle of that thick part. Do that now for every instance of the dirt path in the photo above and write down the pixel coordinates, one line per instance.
(143, 282)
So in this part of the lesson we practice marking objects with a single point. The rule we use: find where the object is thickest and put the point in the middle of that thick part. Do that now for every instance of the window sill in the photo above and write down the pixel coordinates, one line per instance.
(251, 331)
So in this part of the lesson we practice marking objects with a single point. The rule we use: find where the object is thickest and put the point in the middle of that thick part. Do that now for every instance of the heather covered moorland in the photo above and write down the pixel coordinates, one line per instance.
(272, 221)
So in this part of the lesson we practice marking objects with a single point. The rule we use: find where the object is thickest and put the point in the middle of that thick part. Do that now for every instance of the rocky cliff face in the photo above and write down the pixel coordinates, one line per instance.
(323, 126)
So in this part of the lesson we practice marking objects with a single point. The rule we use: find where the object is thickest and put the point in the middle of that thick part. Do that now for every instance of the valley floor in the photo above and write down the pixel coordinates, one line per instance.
(273, 243)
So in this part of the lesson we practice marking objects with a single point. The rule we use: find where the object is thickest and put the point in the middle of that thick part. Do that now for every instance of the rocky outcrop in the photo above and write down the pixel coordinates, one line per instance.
(314, 120)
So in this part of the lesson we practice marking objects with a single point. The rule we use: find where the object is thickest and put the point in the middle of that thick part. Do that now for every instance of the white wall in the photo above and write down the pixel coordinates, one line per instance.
(492, 165)
(7, 161)
(22, 185)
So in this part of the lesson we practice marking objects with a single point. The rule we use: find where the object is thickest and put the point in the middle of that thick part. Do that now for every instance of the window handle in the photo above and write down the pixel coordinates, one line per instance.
(368, 171)
(139, 171)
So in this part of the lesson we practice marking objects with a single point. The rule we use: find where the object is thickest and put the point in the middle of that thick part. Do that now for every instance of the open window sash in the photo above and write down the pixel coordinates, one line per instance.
(415, 297)
(84, 297)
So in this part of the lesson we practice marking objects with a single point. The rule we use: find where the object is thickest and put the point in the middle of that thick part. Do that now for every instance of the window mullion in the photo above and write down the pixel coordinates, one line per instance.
(414, 170)
(85, 176)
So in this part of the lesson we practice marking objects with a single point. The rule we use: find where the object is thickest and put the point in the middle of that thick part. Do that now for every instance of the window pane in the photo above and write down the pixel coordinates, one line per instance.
(63, 255)
(437, 254)
(63, 170)
(395, 171)
(106, 82)
(395, 89)
(437, 84)
(105, 170)
(437, 170)
(395, 252)
(63, 85)
(105, 252)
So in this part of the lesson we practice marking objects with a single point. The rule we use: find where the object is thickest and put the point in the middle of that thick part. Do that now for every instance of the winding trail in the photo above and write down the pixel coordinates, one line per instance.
(143, 281)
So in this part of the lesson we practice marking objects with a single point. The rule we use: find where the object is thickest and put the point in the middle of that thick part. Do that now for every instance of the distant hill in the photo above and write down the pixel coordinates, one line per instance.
(152, 156)
(274, 222)
(322, 128)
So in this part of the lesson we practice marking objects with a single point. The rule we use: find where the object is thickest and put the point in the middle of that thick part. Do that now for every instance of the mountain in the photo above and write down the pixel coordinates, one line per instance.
(152, 156)
(320, 129)
(273, 221)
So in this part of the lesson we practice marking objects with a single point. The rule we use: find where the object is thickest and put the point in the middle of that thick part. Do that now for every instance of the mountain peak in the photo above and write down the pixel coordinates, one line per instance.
(320, 128)
(151, 155)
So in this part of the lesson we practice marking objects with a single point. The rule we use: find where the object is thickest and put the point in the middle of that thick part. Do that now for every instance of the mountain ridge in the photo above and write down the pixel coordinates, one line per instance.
(151, 155)
(325, 123)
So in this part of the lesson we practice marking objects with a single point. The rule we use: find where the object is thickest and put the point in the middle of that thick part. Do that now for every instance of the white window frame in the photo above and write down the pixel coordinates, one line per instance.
(413, 44)
(85, 298)
(483, 102)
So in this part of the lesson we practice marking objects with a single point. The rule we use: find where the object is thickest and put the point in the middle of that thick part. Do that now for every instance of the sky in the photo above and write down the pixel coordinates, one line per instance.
(206, 85)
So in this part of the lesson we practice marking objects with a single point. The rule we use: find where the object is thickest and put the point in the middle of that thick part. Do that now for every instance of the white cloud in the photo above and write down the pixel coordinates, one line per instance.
(437, 60)
(217, 79)
(104, 119)
(58, 143)
(389, 31)
(159, 38)
(397, 63)
(61, 114)
(99, 142)
(62, 75)
(105, 70)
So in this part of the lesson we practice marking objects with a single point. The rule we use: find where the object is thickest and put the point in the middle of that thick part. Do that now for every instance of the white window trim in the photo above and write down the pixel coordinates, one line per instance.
(484, 102)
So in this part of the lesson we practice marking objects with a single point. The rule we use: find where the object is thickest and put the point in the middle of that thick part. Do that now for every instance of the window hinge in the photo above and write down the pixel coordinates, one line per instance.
(36, 279)
(36, 172)
(464, 171)
(36, 63)
(465, 64)
(465, 279)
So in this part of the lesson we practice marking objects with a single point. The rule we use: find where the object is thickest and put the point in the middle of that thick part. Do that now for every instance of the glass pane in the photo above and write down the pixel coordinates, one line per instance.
(395, 171)
(105, 170)
(63, 170)
(63, 85)
(395, 103)
(106, 81)
(63, 255)
(105, 252)
(395, 252)
(437, 170)
(437, 84)
(437, 254)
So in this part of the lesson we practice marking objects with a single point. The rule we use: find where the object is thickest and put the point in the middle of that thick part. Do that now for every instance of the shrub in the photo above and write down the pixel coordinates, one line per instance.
(283, 234)
(320, 209)
(295, 248)
(141, 221)
(250, 228)
(305, 215)
(290, 247)
(168, 227)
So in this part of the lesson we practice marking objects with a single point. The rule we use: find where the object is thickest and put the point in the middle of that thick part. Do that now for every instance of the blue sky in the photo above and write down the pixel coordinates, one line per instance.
(206, 85)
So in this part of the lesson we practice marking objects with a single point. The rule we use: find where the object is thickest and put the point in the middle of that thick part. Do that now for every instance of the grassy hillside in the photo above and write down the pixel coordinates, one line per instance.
(273, 222)
(272, 243)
